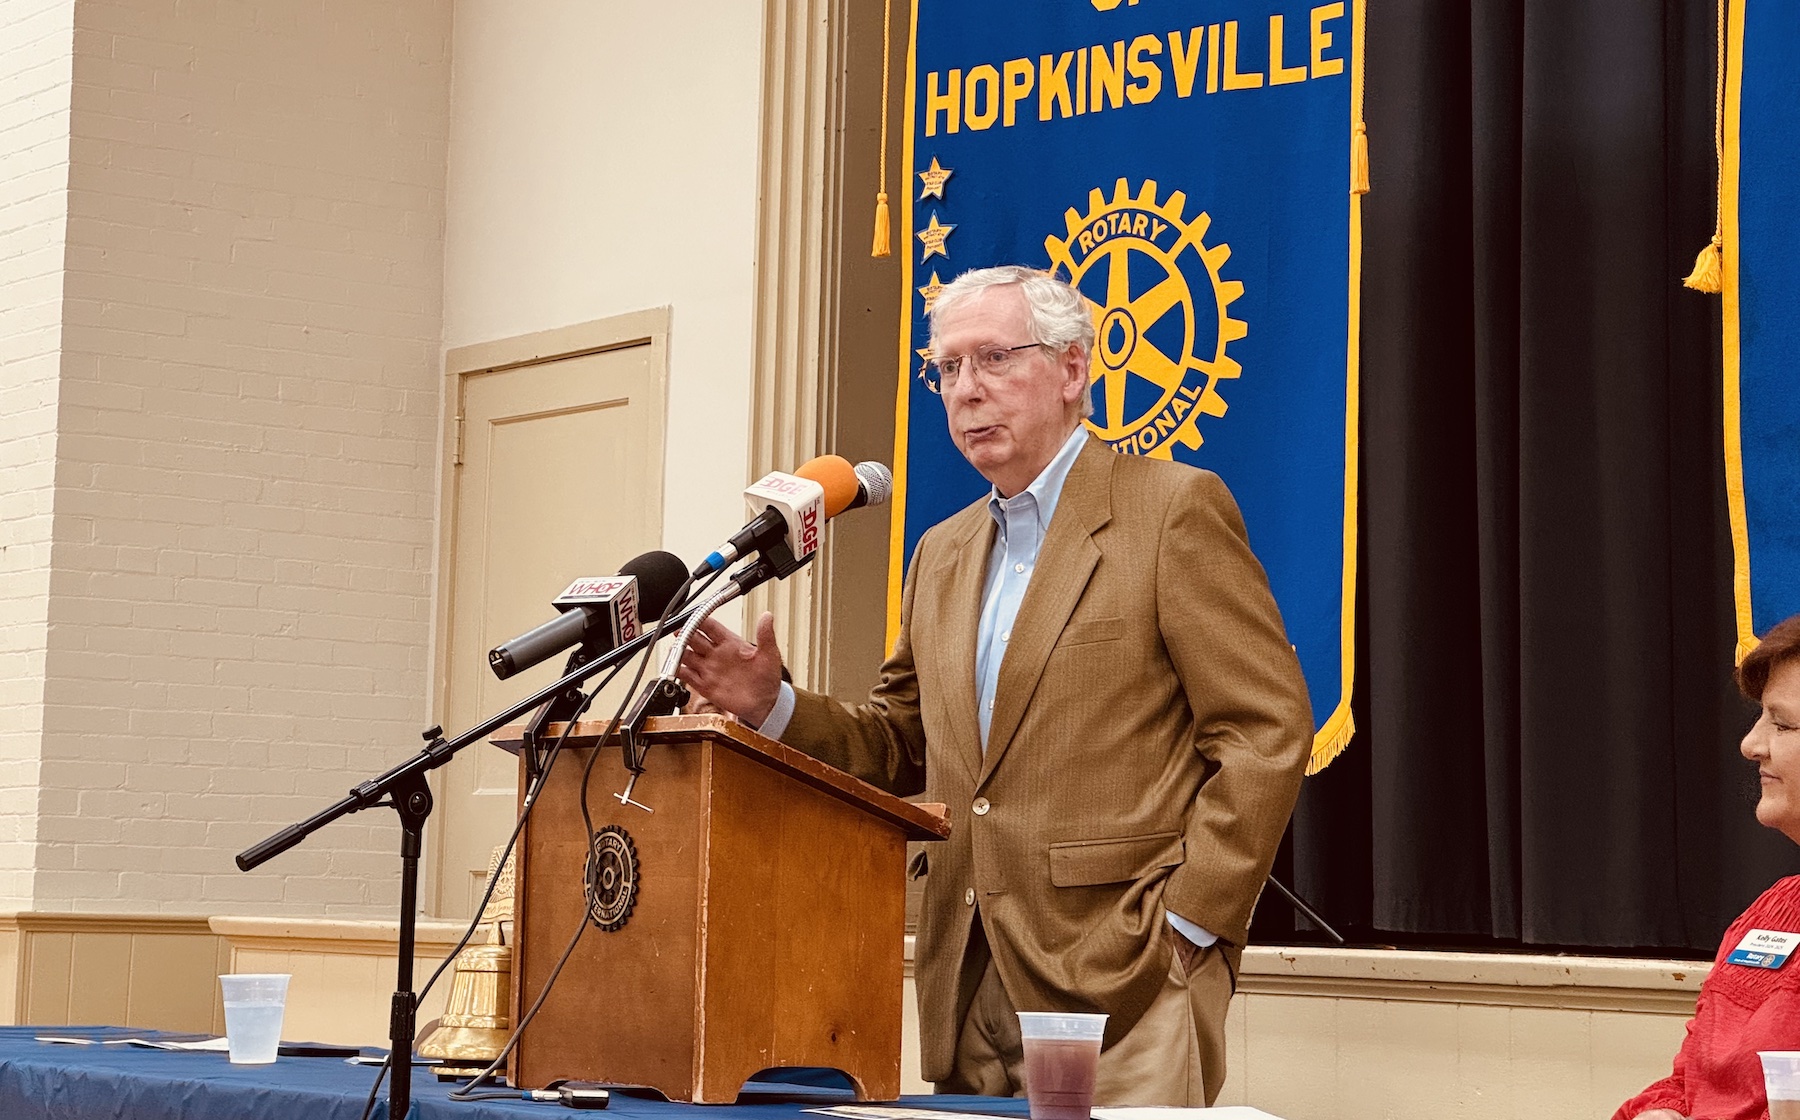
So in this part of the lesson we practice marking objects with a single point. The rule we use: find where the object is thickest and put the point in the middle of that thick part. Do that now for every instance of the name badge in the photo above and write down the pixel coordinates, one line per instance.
(1764, 948)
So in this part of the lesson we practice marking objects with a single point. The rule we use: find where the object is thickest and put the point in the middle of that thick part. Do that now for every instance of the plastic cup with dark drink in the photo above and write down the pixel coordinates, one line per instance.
(1781, 1080)
(1062, 1053)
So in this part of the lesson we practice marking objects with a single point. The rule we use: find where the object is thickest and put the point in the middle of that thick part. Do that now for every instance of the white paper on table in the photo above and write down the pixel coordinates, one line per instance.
(217, 1045)
(888, 1112)
(212, 1045)
(894, 1112)
(1225, 1112)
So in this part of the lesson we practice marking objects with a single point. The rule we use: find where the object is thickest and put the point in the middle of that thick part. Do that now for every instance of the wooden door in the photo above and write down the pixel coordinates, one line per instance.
(560, 476)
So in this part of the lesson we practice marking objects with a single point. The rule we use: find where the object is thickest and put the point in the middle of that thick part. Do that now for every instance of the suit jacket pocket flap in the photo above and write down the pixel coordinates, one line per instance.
(1092, 630)
(1087, 863)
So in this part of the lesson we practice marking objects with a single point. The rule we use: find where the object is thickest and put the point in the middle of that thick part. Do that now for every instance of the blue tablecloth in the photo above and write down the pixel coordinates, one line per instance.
(46, 1081)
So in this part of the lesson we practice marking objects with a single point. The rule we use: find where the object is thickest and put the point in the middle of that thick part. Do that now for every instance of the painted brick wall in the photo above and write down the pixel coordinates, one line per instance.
(36, 38)
(246, 467)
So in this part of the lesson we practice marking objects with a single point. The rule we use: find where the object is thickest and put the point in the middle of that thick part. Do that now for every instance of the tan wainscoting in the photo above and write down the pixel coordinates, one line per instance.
(910, 1081)
(1314, 1034)
(1369, 1034)
(343, 971)
(1349, 1034)
(140, 970)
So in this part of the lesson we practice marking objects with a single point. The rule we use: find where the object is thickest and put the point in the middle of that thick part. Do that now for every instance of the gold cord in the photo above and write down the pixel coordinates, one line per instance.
(883, 245)
(1359, 137)
(1708, 274)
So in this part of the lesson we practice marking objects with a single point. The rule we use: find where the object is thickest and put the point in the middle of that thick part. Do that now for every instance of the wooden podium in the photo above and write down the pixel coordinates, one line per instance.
(759, 912)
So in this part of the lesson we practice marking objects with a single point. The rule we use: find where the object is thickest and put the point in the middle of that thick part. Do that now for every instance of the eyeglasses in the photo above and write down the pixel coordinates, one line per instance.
(994, 361)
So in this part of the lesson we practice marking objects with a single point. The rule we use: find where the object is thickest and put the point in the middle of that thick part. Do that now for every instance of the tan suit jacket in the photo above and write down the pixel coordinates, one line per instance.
(1149, 732)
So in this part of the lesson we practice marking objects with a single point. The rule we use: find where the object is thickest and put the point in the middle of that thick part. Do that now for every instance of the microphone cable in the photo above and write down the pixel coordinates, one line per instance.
(676, 602)
(531, 798)
(469, 1091)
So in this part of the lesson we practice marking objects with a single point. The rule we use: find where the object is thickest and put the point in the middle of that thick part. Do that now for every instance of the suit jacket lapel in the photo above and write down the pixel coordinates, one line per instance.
(1064, 564)
(961, 573)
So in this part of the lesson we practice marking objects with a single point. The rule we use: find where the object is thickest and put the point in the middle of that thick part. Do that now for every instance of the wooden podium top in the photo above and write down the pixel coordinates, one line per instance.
(917, 822)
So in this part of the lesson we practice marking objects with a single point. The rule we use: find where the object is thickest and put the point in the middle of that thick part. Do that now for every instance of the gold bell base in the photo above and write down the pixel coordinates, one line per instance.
(474, 1027)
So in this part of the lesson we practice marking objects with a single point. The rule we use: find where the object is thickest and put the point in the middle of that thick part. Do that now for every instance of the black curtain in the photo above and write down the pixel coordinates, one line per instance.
(1547, 744)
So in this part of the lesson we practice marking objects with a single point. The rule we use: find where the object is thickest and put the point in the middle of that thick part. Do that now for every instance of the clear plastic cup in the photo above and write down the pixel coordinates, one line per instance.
(1781, 1080)
(254, 1003)
(1062, 1054)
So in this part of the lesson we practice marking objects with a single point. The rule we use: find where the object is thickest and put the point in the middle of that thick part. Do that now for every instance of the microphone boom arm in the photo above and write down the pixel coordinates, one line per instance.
(666, 693)
(405, 789)
(370, 794)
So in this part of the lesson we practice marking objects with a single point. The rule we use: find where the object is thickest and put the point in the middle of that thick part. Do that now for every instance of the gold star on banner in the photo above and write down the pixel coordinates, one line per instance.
(931, 290)
(932, 237)
(924, 364)
(933, 177)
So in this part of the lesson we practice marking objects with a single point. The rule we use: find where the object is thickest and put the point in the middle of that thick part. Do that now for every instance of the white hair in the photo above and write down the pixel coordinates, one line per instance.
(1060, 316)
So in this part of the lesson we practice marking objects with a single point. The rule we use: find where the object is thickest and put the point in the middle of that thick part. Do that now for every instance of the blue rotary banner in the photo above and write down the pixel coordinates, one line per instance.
(1194, 180)
(1761, 229)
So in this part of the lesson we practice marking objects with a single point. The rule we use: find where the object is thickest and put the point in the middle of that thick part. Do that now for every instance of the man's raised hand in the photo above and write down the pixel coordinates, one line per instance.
(732, 673)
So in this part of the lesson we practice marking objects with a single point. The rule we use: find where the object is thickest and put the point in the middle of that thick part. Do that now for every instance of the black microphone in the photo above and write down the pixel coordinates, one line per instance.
(661, 576)
(598, 613)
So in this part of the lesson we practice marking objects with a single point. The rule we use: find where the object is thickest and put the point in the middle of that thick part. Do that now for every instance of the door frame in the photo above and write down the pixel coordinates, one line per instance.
(649, 327)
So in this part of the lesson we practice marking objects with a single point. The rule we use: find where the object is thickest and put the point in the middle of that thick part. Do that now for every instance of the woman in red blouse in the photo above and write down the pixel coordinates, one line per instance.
(1744, 1008)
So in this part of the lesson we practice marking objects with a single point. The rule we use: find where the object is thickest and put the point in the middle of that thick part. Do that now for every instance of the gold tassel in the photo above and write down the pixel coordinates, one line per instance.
(1707, 275)
(1709, 271)
(1359, 160)
(883, 246)
(884, 242)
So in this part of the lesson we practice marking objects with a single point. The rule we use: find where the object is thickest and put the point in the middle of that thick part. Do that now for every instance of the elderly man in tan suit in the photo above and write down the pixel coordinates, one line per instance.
(1092, 674)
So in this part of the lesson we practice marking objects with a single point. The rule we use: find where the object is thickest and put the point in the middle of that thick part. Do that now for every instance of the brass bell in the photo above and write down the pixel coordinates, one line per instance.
(477, 1019)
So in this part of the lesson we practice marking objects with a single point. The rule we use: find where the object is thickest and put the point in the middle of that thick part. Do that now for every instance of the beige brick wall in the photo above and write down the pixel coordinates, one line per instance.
(36, 39)
(247, 442)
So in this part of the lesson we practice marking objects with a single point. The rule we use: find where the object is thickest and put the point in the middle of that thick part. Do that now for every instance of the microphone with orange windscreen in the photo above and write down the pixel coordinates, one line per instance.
(791, 509)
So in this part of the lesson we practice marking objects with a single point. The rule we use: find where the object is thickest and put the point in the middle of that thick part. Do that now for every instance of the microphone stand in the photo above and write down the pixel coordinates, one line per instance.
(666, 693)
(567, 705)
(405, 790)
(1306, 911)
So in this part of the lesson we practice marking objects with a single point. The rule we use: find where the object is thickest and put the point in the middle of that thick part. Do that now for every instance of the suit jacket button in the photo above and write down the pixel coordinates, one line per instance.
(981, 806)
(969, 897)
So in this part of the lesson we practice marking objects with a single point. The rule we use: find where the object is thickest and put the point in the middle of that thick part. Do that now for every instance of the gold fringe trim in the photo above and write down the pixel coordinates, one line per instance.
(1332, 739)
(1325, 751)
(884, 242)
(1709, 272)
(1731, 323)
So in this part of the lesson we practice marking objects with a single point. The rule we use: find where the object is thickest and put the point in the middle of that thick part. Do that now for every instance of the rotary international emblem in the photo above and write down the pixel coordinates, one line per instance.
(612, 877)
(1161, 316)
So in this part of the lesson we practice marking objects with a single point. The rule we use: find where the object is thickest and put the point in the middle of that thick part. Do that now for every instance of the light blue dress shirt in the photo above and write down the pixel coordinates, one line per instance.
(1021, 522)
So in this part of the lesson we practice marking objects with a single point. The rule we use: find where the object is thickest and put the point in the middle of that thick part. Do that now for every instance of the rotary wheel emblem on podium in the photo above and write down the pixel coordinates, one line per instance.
(612, 877)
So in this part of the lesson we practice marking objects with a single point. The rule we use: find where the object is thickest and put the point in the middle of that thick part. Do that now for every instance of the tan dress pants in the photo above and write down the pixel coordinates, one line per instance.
(1175, 1055)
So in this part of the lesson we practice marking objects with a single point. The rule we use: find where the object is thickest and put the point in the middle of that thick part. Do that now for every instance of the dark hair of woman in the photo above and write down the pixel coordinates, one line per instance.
(1780, 645)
